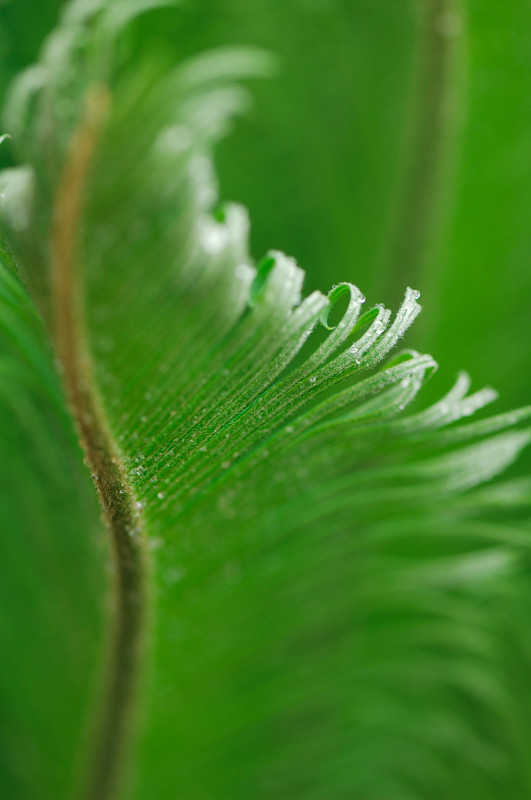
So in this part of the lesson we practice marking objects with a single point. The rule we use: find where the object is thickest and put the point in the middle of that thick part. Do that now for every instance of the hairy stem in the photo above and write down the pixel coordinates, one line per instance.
(115, 495)
(427, 140)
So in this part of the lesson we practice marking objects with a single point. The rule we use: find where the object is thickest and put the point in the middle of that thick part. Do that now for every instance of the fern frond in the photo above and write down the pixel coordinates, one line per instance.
(324, 574)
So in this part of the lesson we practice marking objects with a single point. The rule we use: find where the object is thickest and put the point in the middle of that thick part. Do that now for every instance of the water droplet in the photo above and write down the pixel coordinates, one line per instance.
(358, 361)
(139, 505)
(289, 429)
(415, 294)
(313, 379)
(213, 236)
(244, 272)
(225, 464)
(362, 298)
(176, 138)
(207, 196)
(354, 349)
(161, 495)
(200, 169)
(154, 479)
(155, 543)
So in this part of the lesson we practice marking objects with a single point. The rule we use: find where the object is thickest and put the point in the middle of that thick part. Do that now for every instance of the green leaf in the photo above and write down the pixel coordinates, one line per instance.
(53, 587)
(308, 590)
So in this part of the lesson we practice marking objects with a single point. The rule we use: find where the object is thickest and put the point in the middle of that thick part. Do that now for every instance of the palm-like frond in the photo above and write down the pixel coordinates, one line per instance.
(329, 593)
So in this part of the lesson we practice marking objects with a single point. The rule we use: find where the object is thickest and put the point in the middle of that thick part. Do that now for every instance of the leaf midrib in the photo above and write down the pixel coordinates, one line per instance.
(121, 512)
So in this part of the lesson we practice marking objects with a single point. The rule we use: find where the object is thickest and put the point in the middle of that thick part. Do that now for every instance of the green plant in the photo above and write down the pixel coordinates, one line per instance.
(310, 593)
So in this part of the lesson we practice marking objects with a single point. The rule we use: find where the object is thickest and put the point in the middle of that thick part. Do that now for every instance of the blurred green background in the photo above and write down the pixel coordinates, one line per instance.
(392, 148)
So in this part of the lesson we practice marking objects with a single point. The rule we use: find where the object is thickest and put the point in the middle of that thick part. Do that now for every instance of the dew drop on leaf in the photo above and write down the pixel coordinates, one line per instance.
(244, 272)
(213, 237)
(155, 543)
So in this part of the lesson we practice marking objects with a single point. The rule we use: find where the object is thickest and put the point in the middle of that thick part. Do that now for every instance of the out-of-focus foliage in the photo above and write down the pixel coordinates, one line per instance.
(333, 128)
(52, 591)
(338, 609)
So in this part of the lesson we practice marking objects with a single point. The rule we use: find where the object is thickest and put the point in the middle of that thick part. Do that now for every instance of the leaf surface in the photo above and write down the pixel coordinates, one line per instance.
(53, 588)
(325, 593)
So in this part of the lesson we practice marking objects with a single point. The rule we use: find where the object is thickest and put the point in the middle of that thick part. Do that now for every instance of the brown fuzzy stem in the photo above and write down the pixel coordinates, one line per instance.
(102, 456)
